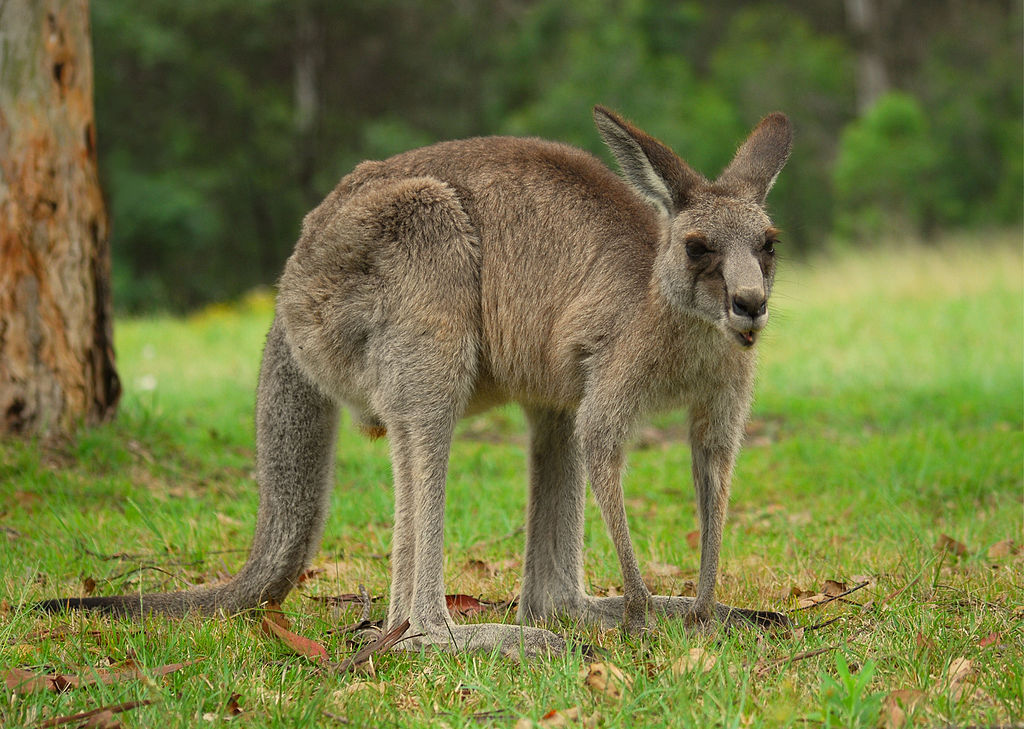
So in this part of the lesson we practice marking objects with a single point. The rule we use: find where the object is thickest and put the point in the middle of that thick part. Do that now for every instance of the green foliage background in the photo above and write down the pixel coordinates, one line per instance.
(210, 159)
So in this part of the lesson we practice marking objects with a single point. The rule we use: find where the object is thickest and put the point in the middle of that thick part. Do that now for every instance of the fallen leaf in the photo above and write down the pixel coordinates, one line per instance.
(274, 614)
(959, 676)
(896, 705)
(232, 708)
(485, 568)
(696, 660)
(464, 605)
(558, 718)
(833, 588)
(810, 600)
(21, 681)
(924, 641)
(693, 539)
(946, 543)
(88, 585)
(606, 679)
(300, 644)
(990, 639)
(1005, 548)
(357, 686)
(103, 710)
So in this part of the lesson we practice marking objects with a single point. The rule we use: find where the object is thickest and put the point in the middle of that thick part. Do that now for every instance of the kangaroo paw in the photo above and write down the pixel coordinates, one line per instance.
(511, 641)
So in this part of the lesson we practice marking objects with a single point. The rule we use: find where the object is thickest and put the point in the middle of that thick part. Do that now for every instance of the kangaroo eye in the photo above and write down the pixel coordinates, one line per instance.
(695, 249)
(769, 247)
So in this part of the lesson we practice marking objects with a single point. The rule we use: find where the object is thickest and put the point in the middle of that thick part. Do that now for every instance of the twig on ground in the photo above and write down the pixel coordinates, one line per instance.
(832, 598)
(763, 665)
(364, 616)
(384, 643)
(818, 626)
(115, 709)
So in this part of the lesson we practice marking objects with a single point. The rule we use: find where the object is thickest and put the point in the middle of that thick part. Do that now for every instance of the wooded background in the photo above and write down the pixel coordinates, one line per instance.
(221, 122)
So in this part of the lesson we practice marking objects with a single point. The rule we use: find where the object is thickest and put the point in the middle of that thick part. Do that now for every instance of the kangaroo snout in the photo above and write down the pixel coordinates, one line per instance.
(750, 303)
(748, 315)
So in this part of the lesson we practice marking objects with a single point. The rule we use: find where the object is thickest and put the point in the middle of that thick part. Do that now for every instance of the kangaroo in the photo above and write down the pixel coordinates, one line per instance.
(448, 279)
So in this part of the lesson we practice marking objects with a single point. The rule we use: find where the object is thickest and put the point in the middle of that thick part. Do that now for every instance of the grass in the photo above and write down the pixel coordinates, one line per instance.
(888, 414)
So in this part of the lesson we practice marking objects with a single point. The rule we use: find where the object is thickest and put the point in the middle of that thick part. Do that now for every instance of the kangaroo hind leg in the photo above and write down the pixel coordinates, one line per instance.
(421, 363)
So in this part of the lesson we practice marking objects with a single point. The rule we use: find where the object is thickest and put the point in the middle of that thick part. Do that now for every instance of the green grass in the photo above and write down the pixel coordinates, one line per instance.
(888, 413)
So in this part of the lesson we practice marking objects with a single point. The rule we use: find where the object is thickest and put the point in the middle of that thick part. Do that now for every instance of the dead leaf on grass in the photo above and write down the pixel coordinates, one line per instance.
(960, 679)
(21, 681)
(811, 600)
(487, 568)
(558, 718)
(275, 614)
(833, 588)
(1005, 548)
(696, 660)
(924, 642)
(233, 708)
(693, 539)
(300, 644)
(992, 639)
(103, 711)
(896, 705)
(465, 605)
(606, 679)
(946, 543)
(341, 695)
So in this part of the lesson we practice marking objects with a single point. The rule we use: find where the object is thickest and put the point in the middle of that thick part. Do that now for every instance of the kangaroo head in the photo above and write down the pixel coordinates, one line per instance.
(717, 256)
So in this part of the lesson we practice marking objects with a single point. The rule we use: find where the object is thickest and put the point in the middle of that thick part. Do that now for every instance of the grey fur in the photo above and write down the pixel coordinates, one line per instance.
(448, 279)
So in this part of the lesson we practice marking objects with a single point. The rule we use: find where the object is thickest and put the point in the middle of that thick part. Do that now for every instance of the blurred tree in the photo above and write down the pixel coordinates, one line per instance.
(56, 354)
(771, 58)
(885, 171)
(226, 120)
(868, 20)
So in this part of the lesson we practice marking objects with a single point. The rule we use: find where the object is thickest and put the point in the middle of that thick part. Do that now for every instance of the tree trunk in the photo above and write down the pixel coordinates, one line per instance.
(56, 347)
(866, 21)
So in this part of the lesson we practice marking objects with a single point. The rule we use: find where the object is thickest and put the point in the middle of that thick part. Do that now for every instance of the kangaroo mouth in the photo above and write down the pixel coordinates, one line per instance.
(745, 338)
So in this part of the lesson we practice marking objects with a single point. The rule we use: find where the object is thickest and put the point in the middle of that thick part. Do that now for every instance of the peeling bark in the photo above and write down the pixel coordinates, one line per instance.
(56, 346)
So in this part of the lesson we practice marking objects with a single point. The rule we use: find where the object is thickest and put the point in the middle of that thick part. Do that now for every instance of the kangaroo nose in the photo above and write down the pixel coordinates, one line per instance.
(749, 303)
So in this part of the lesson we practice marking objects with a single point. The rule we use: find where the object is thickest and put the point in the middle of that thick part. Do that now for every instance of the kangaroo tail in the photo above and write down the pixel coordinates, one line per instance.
(295, 436)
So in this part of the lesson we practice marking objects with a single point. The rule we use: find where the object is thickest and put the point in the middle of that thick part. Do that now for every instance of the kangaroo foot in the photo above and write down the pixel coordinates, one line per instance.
(511, 641)
(607, 612)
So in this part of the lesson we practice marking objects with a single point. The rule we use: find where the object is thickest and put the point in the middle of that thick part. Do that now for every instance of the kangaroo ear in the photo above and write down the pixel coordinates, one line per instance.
(759, 160)
(649, 166)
